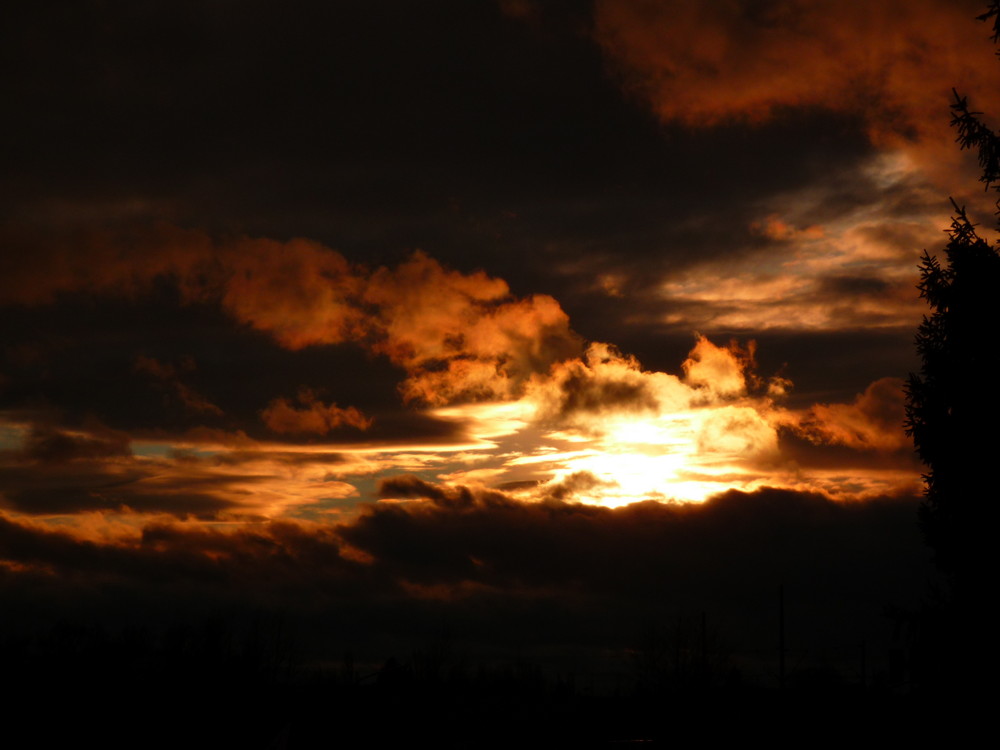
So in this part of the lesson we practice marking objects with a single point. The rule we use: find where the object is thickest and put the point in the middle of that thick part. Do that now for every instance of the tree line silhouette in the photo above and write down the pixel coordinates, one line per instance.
(953, 417)
(248, 683)
(952, 411)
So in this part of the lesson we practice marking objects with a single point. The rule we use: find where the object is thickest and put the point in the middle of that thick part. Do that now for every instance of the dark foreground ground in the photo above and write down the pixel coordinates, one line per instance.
(213, 686)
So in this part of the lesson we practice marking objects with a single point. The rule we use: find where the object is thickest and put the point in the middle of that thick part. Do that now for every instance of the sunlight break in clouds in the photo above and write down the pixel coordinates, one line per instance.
(603, 430)
(598, 430)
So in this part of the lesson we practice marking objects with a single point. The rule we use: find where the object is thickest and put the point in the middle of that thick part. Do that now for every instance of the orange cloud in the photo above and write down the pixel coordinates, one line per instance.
(719, 371)
(874, 420)
(860, 272)
(775, 228)
(609, 384)
(312, 417)
(457, 335)
(462, 335)
(37, 268)
(893, 63)
(299, 292)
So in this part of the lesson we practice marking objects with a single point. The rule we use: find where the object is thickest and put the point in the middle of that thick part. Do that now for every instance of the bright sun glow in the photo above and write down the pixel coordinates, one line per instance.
(613, 460)
(604, 431)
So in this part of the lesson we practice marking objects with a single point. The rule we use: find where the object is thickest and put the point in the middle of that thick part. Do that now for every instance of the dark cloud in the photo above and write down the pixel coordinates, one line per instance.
(409, 486)
(854, 286)
(455, 497)
(495, 570)
(189, 556)
(49, 445)
(733, 540)
(830, 366)
(567, 489)
(79, 359)
(55, 472)
(408, 427)
(95, 495)
(688, 545)
(583, 389)
(849, 462)
(168, 378)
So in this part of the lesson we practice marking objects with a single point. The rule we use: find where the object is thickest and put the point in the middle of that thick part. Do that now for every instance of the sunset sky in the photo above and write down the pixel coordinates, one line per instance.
(393, 308)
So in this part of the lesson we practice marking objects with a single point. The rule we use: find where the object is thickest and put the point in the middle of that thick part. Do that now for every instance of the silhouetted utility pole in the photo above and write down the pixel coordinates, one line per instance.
(864, 665)
(781, 636)
(704, 645)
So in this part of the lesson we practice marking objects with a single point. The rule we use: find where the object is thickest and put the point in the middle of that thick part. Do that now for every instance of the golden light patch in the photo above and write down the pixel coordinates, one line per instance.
(598, 429)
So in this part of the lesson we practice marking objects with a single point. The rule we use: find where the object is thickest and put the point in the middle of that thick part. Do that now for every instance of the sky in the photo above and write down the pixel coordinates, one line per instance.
(509, 314)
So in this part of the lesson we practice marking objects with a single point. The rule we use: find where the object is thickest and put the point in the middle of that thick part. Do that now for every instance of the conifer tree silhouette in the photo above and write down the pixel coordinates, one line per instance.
(952, 410)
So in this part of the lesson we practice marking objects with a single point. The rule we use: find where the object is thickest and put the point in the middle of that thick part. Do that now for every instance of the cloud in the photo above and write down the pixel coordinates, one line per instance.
(604, 382)
(893, 63)
(637, 433)
(409, 487)
(313, 416)
(775, 228)
(609, 384)
(122, 486)
(168, 378)
(189, 554)
(50, 445)
(888, 68)
(570, 487)
(734, 544)
(515, 543)
(461, 335)
(856, 271)
(495, 571)
(718, 371)
(873, 421)
(457, 336)
(68, 473)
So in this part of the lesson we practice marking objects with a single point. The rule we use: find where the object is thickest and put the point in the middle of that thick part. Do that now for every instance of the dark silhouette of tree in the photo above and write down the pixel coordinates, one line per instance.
(952, 409)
